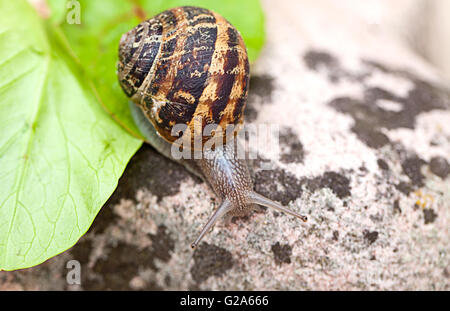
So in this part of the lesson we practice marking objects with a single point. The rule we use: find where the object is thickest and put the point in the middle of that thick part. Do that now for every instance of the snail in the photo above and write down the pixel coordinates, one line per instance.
(187, 64)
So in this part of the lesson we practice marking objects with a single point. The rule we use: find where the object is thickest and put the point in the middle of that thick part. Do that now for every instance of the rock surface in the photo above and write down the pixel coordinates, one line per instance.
(365, 144)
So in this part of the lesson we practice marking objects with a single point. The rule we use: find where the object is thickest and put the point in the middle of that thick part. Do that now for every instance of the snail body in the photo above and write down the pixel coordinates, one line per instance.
(189, 66)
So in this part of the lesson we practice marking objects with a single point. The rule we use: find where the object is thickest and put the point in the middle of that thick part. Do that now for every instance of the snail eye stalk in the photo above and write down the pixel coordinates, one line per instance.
(224, 208)
(256, 198)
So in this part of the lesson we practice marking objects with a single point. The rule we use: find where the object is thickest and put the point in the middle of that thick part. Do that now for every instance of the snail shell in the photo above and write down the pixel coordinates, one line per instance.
(185, 64)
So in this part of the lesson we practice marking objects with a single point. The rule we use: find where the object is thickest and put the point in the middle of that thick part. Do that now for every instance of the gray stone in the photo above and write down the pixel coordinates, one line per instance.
(365, 141)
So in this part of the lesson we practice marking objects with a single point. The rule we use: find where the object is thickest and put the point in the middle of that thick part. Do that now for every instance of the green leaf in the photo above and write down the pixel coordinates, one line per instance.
(61, 154)
(95, 40)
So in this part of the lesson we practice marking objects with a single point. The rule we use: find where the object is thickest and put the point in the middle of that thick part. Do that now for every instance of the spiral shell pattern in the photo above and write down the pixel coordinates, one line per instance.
(186, 63)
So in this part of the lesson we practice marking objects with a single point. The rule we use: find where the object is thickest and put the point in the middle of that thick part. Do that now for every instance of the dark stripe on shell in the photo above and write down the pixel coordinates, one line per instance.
(193, 69)
(139, 32)
(163, 66)
(148, 103)
(127, 87)
(192, 75)
(175, 112)
(204, 20)
(168, 20)
(196, 16)
(226, 81)
(240, 104)
(192, 11)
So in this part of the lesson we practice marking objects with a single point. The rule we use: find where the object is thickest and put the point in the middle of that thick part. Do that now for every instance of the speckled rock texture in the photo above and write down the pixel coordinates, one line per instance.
(365, 145)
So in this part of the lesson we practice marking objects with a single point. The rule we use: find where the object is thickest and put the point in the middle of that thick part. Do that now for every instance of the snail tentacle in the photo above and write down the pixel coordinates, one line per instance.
(223, 209)
(257, 198)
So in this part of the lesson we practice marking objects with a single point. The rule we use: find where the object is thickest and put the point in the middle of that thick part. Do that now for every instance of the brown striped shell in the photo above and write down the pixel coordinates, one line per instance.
(185, 64)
